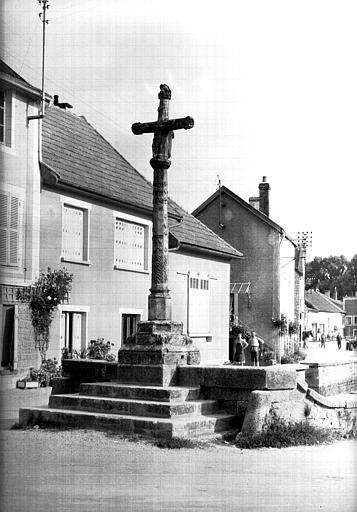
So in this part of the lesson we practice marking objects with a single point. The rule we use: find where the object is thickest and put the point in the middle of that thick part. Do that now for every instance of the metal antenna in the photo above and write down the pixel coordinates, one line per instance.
(42, 16)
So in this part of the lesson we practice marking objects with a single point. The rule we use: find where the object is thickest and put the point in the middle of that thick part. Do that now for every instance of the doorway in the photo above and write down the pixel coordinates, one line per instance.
(8, 337)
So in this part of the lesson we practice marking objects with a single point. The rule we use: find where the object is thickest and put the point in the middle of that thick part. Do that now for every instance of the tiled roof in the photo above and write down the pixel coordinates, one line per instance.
(84, 160)
(320, 302)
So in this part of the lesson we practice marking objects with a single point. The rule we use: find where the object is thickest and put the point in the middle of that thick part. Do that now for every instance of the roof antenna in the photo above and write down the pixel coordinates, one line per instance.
(221, 225)
(42, 15)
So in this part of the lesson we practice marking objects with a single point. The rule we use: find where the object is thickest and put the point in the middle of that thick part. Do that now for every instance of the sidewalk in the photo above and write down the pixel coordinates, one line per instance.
(12, 399)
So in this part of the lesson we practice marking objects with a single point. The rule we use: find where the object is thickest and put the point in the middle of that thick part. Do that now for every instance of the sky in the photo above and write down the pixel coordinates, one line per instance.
(271, 85)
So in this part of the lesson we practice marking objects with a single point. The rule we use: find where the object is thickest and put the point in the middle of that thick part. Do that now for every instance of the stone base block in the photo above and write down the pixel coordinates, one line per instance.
(156, 375)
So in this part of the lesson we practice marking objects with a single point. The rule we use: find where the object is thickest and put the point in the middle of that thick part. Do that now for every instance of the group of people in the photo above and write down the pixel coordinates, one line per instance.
(239, 346)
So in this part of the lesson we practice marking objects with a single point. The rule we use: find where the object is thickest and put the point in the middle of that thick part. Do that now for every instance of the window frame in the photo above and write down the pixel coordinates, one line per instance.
(75, 204)
(139, 313)
(11, 193)
(139, 221)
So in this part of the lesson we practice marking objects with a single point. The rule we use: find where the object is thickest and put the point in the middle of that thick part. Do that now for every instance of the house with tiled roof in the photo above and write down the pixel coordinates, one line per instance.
(323, 315)
(92, 214)
(268, 282)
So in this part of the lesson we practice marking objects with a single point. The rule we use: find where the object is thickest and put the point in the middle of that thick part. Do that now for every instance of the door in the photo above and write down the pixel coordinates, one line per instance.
(8, 336)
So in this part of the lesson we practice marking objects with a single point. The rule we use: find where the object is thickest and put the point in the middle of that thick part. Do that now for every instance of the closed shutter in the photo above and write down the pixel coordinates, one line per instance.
(72, 241)
(9, 230)
(129, 248)
(4, 218)
(14, 256)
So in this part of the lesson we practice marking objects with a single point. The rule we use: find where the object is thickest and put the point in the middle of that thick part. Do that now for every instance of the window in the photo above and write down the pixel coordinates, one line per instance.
(2, 116)
(10, 224)
(129, 319)
(348, 320)
(355, 320)
(198, 305)
(73, 328)
(75, 231)
(131, 244)
(5, 117)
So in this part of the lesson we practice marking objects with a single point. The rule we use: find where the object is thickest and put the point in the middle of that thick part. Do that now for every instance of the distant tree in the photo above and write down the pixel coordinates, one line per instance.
(334, 272)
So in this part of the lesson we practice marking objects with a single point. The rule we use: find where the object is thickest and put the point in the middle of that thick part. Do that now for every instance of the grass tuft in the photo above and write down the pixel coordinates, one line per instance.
(278, 433)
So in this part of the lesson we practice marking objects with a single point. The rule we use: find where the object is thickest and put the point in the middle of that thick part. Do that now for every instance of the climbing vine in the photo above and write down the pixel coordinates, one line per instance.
(43, 297)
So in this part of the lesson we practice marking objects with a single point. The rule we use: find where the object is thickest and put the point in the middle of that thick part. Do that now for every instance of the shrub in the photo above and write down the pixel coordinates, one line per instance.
(99, 349)
(278, 433)
(48, 370)
(294, 358)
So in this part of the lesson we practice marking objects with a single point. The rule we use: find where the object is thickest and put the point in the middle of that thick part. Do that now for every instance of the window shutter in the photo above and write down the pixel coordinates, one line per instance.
(129, 250)
(4, 200)
(14, 231)
(72, 233)
(9, 230)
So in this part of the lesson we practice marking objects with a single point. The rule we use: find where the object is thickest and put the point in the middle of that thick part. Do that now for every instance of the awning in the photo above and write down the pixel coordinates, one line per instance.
(240, 287)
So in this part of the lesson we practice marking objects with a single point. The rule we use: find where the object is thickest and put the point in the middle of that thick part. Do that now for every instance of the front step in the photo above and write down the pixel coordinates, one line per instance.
(139, 392)
(189, 427)
(131, 407)
(153, 411)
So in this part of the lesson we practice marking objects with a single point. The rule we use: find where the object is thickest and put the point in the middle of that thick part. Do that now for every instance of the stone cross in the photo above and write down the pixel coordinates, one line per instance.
(159, 302)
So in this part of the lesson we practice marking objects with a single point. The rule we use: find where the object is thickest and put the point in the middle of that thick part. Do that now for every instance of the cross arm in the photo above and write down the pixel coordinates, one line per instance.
(163, 126)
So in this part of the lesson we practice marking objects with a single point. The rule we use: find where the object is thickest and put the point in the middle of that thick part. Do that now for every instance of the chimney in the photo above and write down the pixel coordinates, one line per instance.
(60, 105)
(327, 293)
(254, 201)
(264, 188)
(335, 293)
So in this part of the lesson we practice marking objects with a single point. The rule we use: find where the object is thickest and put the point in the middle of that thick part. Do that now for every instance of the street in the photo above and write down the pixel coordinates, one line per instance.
(74, 471)
(90, 471)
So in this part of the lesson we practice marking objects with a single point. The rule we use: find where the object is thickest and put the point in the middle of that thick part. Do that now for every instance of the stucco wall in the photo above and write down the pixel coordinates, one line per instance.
(108, 292)
(215, 347)
(20, 176)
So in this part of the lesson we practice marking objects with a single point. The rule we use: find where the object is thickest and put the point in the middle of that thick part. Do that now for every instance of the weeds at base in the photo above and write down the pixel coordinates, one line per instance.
(278, 433)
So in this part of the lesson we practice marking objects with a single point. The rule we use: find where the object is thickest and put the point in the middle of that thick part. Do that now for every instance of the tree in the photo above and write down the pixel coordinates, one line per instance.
(334, 272)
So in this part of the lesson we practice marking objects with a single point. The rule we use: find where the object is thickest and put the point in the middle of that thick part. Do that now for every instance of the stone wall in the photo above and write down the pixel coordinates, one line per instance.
(301, 404)
(27, 354)
(332, 378)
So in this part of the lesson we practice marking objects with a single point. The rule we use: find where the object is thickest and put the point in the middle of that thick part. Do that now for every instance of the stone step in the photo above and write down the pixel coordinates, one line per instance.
(140, 392)
(131, 407)
(191, 426)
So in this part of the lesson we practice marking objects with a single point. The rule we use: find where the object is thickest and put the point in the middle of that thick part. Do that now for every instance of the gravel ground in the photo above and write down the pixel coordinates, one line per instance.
(75, 471)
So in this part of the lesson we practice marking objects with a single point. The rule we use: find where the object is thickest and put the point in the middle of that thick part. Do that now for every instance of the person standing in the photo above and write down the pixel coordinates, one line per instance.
(339, 341)
(323, 341)
(254, 349)
(238, 349)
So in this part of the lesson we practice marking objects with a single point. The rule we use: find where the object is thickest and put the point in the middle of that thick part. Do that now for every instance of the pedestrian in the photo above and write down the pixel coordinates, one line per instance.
(239, 347)
(254, 349)
(323, 341)
(339, 341)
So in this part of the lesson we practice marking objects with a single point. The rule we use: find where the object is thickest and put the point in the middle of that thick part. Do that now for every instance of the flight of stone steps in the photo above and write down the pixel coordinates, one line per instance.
(151, 411)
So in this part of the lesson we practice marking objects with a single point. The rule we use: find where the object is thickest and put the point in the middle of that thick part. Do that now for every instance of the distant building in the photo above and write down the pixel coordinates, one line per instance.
(350, 307)
(323, 315)
(269, 281)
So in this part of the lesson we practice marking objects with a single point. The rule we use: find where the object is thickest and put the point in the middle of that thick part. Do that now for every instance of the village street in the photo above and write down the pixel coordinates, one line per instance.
(90, 471)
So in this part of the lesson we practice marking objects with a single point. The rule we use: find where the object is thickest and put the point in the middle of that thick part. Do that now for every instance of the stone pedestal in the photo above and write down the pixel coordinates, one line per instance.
(153, 353)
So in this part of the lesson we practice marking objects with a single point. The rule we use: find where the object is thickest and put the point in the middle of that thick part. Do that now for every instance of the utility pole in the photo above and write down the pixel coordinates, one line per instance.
(42, 15)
